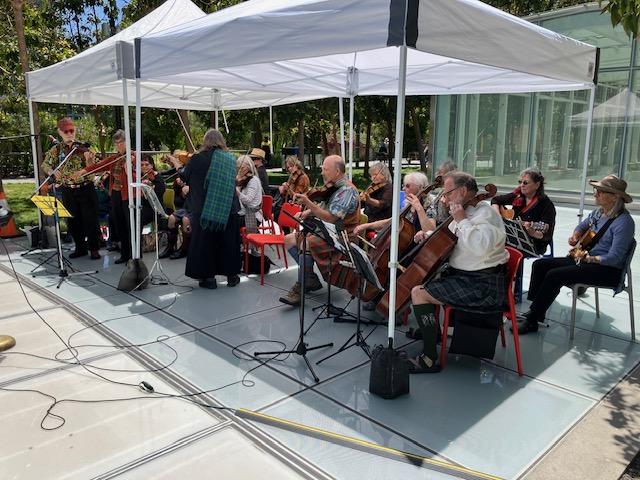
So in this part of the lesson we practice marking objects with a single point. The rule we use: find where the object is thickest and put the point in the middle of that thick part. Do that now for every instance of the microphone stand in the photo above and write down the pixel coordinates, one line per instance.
(63, 273)
(301, 348)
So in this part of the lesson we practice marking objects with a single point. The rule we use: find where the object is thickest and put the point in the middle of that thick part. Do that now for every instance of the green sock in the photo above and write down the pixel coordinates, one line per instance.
(425, 316)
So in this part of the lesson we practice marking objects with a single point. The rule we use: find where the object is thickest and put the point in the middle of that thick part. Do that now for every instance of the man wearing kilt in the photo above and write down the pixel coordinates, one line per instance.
(343, 204)
(475, 279)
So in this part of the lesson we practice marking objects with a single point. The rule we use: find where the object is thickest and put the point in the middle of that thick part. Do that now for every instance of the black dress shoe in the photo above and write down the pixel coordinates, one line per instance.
(120, 260)
(78, 254)
(178, 254)
(526, 326)
(233, 280)
(166, 254)
(208, 283)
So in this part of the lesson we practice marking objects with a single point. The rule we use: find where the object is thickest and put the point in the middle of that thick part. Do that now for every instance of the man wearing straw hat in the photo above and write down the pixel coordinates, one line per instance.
(258, 155)
(599, 263)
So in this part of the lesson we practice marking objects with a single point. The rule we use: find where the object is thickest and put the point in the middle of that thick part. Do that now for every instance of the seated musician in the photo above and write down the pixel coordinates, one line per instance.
(249, 192)
(341, 204)
(182, 218)
(599, 264)
(378, 197)
(475, 279)
(118, 191)
(413, 183)
(532, 206)
(298, 181)
(154, 179)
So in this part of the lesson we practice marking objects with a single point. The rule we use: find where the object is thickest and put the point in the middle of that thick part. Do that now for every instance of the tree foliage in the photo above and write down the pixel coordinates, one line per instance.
(625, 13)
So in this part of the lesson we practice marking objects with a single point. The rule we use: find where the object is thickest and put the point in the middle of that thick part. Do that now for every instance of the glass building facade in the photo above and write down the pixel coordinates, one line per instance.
(495, 136)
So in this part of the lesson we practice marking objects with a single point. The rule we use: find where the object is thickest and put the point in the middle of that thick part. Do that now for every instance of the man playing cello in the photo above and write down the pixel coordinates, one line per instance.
(342, 203)
(475, 279)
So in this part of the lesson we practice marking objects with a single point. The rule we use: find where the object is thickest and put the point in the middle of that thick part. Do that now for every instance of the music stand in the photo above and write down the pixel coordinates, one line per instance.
(361, 264)
(518, 238)
(301, 348)
(55, 207)
(150, 194)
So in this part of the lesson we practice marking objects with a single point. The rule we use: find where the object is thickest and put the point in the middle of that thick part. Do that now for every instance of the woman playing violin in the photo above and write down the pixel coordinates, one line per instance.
(298, 181)
(249, 190)
(532, 206)
(378, 197)
(153, 179)
(118, 191)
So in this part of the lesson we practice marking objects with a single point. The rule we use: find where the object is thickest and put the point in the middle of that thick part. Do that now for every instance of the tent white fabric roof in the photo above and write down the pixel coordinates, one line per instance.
(93, 76)
(619, 109)
(306, 47)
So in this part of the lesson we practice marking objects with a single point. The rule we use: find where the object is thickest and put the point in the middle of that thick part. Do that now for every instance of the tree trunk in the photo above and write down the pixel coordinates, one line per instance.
(301, 140)
(256, 137)
(186, 128)
(357, 144)
(102, 134)
(325, 144)
(24, 63)
(419, 138)
(212, 120)
(367, 147)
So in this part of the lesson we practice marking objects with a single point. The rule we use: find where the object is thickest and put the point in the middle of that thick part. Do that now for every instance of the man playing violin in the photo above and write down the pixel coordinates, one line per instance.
(118, 191)
(78, 194)
(600, 264)
(341, 204)
(378, 197)
(475, 279)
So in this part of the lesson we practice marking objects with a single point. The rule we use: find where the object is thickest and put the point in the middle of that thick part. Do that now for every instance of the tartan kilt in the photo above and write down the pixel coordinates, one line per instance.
(470, 291)
(326, 258)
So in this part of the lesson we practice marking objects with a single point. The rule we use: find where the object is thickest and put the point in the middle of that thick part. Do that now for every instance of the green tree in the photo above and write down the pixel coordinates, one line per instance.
(625, 13)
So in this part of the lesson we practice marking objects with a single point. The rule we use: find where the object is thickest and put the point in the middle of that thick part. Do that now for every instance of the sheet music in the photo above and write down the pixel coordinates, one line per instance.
(152, 198)
(518, 238)
(364, 266)
(333, 234)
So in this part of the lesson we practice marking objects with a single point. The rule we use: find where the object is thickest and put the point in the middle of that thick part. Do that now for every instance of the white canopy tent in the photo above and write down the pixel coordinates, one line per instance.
(360, 47)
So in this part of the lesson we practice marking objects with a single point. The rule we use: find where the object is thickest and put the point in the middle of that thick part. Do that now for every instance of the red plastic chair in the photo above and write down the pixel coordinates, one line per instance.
(260, 240)
(515, 258)
(267, 213)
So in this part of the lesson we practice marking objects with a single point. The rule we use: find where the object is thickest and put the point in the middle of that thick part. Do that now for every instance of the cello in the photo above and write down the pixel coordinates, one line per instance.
(379, 255)
(429, 258)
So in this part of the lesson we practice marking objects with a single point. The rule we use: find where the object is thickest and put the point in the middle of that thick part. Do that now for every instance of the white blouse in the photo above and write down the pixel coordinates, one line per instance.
(251, 197)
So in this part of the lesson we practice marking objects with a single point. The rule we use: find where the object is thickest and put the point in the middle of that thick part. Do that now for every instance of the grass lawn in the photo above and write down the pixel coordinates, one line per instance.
(19, 195)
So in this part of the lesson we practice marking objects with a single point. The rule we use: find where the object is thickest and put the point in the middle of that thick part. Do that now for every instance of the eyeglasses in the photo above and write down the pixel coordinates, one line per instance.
(67, 132)
(524, 182)
(445, 194)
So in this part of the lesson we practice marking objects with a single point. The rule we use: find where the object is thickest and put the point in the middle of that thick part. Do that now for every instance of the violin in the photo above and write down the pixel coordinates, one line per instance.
(429, 257)
(322, 194)
(243, 181)
(149, 177)
(374, 187)
(290, 184)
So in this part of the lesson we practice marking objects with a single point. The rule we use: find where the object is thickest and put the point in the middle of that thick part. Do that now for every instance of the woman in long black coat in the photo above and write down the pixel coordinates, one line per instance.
(211, 253)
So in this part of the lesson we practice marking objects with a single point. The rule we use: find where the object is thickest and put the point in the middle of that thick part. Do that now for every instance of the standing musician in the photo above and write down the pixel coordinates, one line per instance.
(298, 181)
(78, 194)
(118, 191)
(249, 191)
(341, 204)
(532, 206)
(475, 279)
(378, 196)
(610, 230)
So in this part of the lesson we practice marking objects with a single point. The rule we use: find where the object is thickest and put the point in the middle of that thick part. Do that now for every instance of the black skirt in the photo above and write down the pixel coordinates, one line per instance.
(214, 253)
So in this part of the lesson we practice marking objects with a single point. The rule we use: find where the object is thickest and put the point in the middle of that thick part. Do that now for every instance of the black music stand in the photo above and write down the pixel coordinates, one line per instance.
(365, 271)
(301, 348)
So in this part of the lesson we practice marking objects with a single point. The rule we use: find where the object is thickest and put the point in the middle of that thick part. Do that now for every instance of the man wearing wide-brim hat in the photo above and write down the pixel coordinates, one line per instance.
(257, 155)
(598, 262)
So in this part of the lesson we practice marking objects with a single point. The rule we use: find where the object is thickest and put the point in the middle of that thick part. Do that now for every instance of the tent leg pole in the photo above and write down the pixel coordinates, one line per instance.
(341, 111)
(397, 170)
(127, 133)
(351, 113)
(34, 151)
(271, 130)
(587, 142)
(136, 253)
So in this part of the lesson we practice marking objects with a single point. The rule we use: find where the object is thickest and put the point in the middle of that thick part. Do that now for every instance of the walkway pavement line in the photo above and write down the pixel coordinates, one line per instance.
(364, 446)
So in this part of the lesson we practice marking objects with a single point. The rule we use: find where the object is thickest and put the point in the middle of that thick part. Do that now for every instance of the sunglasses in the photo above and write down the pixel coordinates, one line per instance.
(71, 130)
(524, 182)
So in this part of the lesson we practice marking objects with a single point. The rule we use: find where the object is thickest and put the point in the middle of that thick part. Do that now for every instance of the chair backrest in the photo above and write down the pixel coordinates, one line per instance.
(626, 269)
(267, 207)
(364, 218)
(284, 220)
(515, 257)
(168, 199)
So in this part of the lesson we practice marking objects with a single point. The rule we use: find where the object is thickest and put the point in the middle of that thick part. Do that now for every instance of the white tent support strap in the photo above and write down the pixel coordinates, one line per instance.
(587, 143)
(224, 119)
(397, 173)
(137, 252)
(127, 134)
(270, 131)
(351, 112)
(341, 112)
(34, 151)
